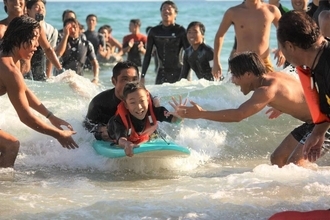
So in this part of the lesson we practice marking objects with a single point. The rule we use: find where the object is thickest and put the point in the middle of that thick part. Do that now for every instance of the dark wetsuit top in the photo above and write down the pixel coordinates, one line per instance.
(311, 9)
(76, 53)
(199, 61)
(116, 128)
(97, 40)
(321, 74)
(323, 5)
(102, 107)
(169, 41)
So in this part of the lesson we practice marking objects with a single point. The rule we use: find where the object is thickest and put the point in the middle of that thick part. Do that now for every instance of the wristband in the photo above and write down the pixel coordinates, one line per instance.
(49, 114)
(178, 121)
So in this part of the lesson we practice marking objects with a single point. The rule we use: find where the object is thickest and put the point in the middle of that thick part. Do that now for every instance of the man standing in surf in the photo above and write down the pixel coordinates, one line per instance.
(169, 39)
(19, 42)
(252, 21)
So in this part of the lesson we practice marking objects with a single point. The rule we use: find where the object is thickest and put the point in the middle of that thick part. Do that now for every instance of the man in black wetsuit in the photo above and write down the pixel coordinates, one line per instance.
(169, 39)
(199, 55)
(104, 105)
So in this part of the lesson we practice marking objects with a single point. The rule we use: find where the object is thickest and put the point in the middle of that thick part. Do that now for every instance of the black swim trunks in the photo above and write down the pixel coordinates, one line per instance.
(302, 132)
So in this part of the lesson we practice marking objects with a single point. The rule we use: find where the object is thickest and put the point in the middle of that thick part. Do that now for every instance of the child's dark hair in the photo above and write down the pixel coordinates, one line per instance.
(200, 25)
(121, 66)
(132, 87)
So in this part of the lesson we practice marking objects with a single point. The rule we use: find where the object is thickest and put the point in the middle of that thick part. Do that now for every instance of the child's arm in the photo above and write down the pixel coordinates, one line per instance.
(127, 145)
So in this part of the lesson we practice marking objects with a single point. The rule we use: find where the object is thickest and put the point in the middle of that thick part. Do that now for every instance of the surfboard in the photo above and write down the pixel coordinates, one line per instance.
(156, 148)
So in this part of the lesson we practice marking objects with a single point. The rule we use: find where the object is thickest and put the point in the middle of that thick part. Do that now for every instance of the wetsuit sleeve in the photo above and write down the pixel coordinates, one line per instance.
(90, 52)
(185, 39)
(186, 67)
(147, 56)
(160, 113)
(116, 128)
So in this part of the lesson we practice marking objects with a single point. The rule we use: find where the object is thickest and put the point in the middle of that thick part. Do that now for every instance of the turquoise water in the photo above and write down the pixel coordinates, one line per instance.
(227, 176)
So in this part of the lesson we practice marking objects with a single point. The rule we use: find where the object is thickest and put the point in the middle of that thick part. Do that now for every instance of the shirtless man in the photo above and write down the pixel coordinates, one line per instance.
(278, 90)
(252, 21)
(16, 9)
(19, 42)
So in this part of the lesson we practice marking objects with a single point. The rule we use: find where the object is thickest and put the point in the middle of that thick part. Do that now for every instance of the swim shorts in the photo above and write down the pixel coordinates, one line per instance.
(302, 132)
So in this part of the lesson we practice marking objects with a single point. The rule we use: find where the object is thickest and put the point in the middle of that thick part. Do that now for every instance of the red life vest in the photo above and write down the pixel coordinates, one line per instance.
(150, 124)
(311, 95)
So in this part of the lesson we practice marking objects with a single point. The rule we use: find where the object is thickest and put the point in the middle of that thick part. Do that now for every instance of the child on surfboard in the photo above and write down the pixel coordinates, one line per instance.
(136, 118)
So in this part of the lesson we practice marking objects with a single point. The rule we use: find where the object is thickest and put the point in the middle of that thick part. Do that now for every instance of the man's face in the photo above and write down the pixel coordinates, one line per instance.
(168, 13)
(300, 5)
(194, 35)
(37, 8)
(132, 27)
(126, 75)
(27, 50)
(105, 33)
(69, 15)
(91, 23)
(244, 82)
(290, 53)
(15, 7)
(73, 29)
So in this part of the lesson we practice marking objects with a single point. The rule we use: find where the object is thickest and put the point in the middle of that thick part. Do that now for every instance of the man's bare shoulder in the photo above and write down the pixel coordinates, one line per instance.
(3, 27)
(271, 8)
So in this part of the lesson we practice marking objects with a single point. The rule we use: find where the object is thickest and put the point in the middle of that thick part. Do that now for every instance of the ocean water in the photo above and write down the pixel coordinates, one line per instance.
(227, 176)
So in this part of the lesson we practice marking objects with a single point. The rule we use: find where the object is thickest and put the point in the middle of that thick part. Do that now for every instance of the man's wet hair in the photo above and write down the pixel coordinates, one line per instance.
(136, 22)
(19, 31)
(30, 3)
(298, 28)
(246, 62)
(200, 25)
(171, 3)
(66, 12)
(123, 65)
(69, 20)
(132, 87)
